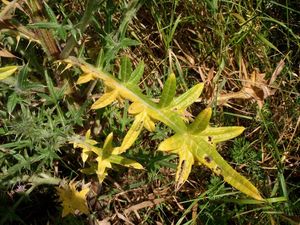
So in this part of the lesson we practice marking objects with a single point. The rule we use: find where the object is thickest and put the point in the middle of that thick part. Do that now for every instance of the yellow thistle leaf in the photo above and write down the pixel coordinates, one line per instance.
(120, 160)
(149, 124)
(136, 107)
(7, 71)
(87, 146)
(132, 133)
(72, 200)
(105, 99)
(103, 165)
(198, 144)
(186, 161)
(86, 77)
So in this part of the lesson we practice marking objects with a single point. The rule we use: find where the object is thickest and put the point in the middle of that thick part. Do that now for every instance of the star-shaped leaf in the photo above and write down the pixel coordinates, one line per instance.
(105, 156)
(72, 200)
(87, 146)
(198, 144)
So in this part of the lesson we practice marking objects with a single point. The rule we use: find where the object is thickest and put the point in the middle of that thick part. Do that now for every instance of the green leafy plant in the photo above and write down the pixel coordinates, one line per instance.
(195, 142)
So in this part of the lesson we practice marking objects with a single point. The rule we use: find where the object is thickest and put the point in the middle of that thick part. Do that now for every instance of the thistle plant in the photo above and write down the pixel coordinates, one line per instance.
(193, 142)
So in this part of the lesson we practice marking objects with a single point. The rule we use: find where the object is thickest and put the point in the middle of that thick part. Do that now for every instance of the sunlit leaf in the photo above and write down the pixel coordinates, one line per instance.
(84, 78)
(137, 73)
(87, 146)
(168, 92)
(120, 160)
(132, 133)
(187, 98)
(136, 107)
(125, 69)
(72, 200)
(194, 143)
(7, 71)
(219, 134)
(201, 121)
(198, 144)
(106, 156)
(105, 99)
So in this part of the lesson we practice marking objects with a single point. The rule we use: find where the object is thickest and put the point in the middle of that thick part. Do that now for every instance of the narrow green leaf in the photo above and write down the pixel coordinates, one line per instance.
(187, 98)
(125, 69)
(267, 42)
(201, 121)
(45, 25)
(22, 78)
(168, 92)
(50, 13)
(50, 87)
(13, 99)
(127, 42)
(7, 71)
(137, 73)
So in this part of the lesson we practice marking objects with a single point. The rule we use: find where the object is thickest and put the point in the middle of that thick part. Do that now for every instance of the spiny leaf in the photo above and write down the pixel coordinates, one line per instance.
(120, 160)
(86, 77)
(87, 146)
(137, 73)
(7, 71)
(125, 69)
(201, 121)
(136, 108)
(105, 99)
(168, 92)
(72, 200)
(132, 133)
(187, 98)
(195, 143)
(219, 134)
(207, 154)
(106, 156)
(200, 142)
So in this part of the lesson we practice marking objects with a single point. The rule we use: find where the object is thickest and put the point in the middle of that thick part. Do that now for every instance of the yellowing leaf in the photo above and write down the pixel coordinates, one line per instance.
(106, 156)
(86, 77)
(194, 143)
(168, 92)
(201, 121)
(132, 133)
(103, 165)
(120, 160)
(136, 107)
(186, 161)
(87, 146)
(105, 99)
(200, 147)
(73, 200)
(7, 71)
(187, 98)
(149, 124)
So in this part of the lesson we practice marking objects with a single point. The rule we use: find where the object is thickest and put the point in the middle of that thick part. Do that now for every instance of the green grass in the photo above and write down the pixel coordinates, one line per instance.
(42, 108)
